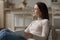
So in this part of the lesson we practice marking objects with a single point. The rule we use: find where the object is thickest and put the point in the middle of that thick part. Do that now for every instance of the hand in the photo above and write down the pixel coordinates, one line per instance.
(27, 35)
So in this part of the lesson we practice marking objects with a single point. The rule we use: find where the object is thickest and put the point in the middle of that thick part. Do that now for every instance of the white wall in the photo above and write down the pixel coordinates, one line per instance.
(17, 3)
(31, 3)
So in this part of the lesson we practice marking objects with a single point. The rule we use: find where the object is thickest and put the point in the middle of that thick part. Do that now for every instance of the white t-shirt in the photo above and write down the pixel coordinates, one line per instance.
(38, 27)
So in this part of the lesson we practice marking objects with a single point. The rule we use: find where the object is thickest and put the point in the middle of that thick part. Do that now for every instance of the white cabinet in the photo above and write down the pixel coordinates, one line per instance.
(56, 17)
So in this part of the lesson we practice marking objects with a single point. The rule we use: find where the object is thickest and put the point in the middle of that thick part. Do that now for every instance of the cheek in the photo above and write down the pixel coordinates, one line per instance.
(37, 12)
(34, 13)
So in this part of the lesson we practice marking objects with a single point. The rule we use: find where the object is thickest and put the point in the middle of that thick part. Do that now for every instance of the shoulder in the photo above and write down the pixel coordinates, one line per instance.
(45, 21)
(33, 21)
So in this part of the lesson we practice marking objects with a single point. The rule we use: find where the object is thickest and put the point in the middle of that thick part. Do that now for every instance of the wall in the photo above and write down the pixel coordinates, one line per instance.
(1, 14)
(47, 2)
(31, 3)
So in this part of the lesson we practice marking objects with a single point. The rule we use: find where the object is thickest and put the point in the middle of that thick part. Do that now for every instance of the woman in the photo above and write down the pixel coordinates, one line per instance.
(38, 29)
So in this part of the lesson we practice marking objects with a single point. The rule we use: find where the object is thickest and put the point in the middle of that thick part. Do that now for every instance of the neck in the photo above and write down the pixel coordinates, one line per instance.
(39, 18)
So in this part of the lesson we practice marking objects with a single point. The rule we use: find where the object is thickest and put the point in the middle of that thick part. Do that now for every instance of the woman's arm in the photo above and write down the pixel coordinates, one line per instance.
(45, 28)
(27, 35)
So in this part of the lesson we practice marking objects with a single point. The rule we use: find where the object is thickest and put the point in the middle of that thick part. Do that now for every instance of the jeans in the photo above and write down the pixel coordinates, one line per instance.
(6, 34)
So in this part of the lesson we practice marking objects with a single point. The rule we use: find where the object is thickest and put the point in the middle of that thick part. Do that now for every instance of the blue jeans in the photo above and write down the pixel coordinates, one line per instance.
(6, 34)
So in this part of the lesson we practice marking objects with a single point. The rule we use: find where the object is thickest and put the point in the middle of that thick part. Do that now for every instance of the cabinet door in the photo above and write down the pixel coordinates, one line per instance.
(57, 23)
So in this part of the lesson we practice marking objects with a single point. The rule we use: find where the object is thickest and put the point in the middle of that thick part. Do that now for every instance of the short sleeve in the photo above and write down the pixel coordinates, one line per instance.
(45, 28)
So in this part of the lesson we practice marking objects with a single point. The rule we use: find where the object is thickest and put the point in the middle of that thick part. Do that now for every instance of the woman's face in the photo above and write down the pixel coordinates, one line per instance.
(36, 11)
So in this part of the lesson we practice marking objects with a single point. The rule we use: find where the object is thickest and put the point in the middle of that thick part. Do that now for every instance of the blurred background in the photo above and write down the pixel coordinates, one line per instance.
(16, 14)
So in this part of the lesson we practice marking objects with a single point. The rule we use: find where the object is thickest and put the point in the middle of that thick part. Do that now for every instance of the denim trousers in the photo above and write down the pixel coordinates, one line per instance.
(6, 34)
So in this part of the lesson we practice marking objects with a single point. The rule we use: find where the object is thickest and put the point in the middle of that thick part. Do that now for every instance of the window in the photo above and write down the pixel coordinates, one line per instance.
(22, 19)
